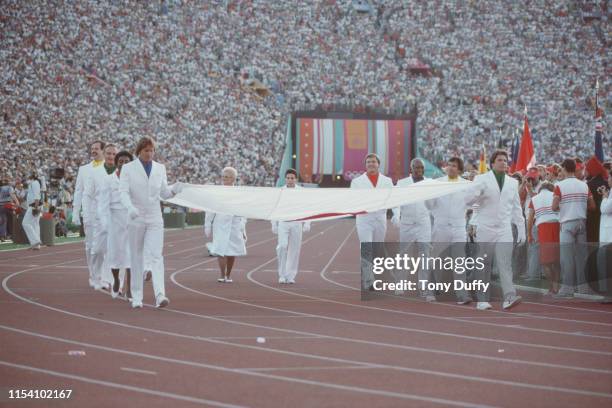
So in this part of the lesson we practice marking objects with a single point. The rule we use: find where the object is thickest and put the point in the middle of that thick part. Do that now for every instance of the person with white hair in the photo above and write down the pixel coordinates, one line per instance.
(228, 232)
(372, 227)
(141, 185)
(415, 225)
(289, 239)
(83, 175)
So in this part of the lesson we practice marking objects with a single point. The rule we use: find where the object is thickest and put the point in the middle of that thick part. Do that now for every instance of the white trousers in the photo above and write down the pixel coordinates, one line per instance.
(497, 244)
(146, 238)
(99, 245)
(370, 228)
(453, 236)
(118, 247)
(288, 249)
(415, 241)
(31, 226)
(88, 228)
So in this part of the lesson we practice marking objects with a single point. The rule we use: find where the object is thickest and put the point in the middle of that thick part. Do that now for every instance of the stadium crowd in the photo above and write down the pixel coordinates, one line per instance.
(74, 72)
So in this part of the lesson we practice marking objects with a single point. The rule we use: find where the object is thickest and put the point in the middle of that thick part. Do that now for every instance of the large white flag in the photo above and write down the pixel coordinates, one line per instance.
(288, 204)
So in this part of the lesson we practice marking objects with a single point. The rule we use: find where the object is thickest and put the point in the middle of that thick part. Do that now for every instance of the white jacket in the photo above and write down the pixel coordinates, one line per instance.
(605, 225)
(497, 210)
(110, 199)
(142, 192)
(363, 182)
(93, 187)
(229, 234)
(416, 213)
(450, 210)
(33, 192)
(82, 175)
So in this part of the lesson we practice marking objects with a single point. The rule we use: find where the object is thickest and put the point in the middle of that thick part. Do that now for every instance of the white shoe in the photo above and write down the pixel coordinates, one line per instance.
(91, 283)
(221, 280)
(228, 280)
(161, 301)
(563, 295)
(97, 286)
(483, 306)
(282, 280)
(430, 298)
(291, 281)
(464, 301)
(114, 294)
(511, 301)
(136, 305)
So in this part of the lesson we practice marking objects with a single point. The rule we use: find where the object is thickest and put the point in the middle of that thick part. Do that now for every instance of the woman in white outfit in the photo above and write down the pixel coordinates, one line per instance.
(141, 184)
(228, 232)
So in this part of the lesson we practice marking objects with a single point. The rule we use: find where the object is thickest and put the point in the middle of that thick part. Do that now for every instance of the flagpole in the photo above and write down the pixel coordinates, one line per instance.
(596, 96)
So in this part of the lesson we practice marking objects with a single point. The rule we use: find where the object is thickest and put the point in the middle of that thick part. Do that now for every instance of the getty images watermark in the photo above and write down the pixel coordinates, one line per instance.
(403, 264)
(485, 271)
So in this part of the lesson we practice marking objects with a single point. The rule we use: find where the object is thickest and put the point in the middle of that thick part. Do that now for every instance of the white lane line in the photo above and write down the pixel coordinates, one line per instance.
(136, 370)
(432, 316)
(341, 387)
(267, 337)
(313, 368)
(120, 386)
(463, 377)
(381, 344)
(400, 328)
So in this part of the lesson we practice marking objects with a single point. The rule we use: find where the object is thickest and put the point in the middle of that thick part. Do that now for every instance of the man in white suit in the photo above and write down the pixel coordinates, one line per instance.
(372, 227)
(415, 226)
(449, 222)
(289, 239)
(31, 219)
(228, 232)
(499, 207)
(94, 188)
(141, 184)
(95, 150)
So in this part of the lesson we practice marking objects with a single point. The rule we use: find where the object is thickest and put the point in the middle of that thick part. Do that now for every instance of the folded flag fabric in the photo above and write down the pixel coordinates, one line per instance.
(286, 204)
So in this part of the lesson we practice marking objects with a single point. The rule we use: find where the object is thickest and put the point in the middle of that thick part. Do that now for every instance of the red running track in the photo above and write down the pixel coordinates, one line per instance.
(324, 346)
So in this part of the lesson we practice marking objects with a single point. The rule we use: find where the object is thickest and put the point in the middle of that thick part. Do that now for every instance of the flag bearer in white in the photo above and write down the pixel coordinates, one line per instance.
(82, 176)
(141, 184)
(415, 226)
(449, 222)
(116, 216)
(31, 219)
(228, 232)
(93, 191)
(499, 207)
(372, 227)
(289, 239)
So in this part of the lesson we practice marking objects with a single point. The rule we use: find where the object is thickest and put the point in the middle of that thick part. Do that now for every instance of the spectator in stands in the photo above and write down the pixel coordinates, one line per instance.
(8, 201)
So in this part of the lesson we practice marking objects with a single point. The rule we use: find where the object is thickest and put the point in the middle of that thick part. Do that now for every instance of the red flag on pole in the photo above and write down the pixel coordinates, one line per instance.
(526, 157)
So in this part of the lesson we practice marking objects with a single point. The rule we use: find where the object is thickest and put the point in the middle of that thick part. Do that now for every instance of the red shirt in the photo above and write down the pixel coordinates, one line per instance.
(373, 178)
